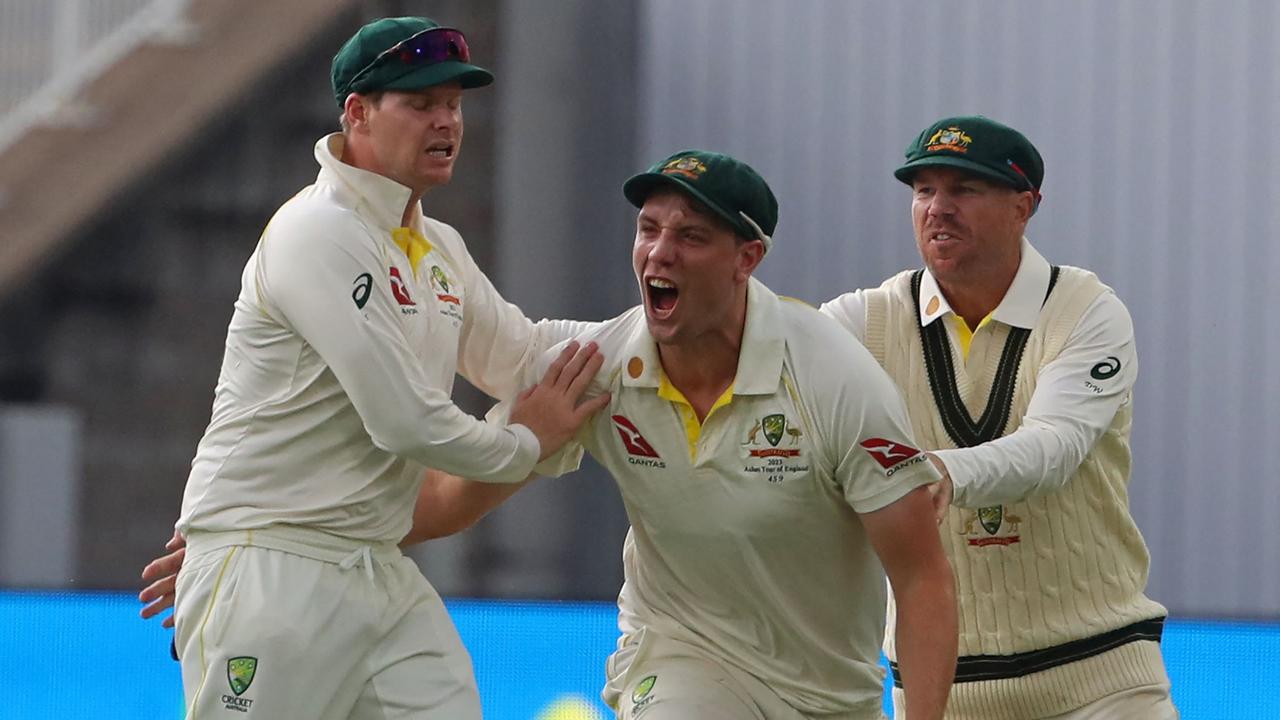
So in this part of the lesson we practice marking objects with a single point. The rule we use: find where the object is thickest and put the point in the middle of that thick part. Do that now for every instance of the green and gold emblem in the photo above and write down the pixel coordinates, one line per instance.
(774, 426)
(240, 672)
(438, 275)
(991, 517)
(643, 689)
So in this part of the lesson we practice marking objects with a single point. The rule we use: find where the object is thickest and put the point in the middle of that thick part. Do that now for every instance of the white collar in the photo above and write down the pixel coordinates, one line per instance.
(383, 198)
(759, 358)
(1021, 304)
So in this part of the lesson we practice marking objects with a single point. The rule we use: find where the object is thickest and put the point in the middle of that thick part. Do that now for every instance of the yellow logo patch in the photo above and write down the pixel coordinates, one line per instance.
(691, 168)
(952, 138)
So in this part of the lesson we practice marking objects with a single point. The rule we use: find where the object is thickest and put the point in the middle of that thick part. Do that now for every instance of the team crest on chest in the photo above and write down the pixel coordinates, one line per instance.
(446, 293)
(775, 429)
(772, 448)
(1000, 527)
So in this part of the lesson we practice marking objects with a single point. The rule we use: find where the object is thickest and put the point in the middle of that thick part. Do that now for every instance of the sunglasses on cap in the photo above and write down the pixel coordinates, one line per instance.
(431, 46)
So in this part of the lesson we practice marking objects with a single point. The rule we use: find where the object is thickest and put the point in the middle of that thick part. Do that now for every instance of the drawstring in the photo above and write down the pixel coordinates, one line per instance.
(361, 556)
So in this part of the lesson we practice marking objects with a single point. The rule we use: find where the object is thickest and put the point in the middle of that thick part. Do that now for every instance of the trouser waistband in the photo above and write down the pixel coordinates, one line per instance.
(307, 542)
(975, 668)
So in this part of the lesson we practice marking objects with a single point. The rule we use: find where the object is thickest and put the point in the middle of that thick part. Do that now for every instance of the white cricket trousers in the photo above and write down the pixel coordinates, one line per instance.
(294, 623)
(651, 677)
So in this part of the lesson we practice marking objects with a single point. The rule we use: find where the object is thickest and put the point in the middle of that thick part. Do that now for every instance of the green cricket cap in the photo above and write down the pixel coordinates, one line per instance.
(730, 188)
(981, 146)
(403, 53)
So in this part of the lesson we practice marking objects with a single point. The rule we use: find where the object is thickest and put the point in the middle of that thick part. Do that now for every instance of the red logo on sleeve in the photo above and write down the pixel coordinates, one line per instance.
(887, 452)
(399, 289)
(631, 437)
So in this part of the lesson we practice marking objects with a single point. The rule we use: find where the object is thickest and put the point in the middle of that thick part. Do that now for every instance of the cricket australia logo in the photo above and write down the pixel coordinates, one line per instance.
(240, 672)
(992, 520)
(643, 692)
(450, 303)
(440, 282)
(775, 428)
(778, 456)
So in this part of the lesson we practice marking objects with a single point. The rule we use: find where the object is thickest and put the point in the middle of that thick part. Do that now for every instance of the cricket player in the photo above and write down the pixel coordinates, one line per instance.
(768, 470)
(1019, 376)
(355, 313)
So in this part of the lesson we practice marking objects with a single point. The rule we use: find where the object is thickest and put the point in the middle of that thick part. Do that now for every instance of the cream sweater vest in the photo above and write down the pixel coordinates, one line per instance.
(1050, 573)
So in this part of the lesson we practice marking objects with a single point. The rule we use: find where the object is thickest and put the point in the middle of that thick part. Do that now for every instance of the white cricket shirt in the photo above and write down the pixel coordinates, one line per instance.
(339, 364)
(745, 540)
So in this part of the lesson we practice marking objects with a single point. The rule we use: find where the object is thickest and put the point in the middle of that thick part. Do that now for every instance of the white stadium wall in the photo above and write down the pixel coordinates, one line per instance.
(1157, 122)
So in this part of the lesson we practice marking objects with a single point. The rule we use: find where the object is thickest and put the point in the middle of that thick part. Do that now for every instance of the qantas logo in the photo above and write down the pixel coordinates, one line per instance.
(631, 437)
(399, 289)
(888, 453)
(635, 443)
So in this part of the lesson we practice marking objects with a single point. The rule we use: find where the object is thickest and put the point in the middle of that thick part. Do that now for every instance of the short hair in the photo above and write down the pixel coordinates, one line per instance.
(374, 98)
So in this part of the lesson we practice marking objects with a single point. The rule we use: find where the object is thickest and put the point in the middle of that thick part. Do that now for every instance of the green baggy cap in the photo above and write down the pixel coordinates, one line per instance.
(981, 146)
(363, 64)
(731, 188)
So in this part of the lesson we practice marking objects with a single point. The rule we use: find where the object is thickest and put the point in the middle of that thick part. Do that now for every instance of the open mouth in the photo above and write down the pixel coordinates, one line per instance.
(663, 296)
(443, 151)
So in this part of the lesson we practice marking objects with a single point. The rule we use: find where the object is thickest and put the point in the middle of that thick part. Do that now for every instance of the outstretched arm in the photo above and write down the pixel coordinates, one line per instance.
(905, 536)
(448, 504)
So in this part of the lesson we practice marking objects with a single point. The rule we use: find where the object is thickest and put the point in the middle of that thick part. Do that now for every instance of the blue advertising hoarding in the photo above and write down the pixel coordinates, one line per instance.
(88, 655)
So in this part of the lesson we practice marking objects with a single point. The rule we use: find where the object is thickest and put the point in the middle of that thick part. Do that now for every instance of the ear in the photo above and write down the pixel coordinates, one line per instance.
(1025, 206)
(750, 254)
(356, 110)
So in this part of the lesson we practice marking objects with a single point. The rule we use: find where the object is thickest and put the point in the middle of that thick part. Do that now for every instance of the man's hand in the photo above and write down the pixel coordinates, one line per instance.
(163, 572)
(550, 409)
(941, 492)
